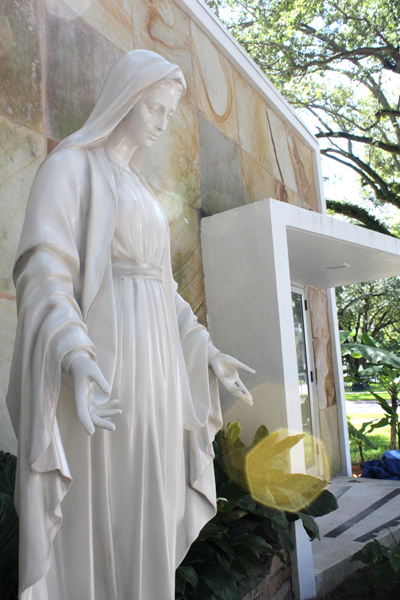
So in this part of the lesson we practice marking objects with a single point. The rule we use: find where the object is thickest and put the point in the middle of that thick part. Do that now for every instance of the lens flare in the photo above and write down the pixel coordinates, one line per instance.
(264, 470)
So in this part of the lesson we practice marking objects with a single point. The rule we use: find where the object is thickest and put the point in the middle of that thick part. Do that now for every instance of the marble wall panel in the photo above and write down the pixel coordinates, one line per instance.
(78, 59)
(328, 419)
(21, 153)
(20, 62)
(324, 372)
(221, 177)
(296, 200)
(302, 161)
(259, 183)
(161, 26)
(322, 347)
(171, 165)
(214, 84)
(187, 265)
(279, 134)
(111, 18)
(8, 323)
(254, 131)
(319, 313)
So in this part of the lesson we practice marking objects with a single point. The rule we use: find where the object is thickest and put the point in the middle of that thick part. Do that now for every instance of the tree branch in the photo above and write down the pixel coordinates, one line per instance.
(368, 175)
(360, 214)
(392, 148)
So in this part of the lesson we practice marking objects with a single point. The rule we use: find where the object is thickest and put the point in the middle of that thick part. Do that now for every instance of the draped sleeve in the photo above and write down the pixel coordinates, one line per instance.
(203, 422)
(47, 277)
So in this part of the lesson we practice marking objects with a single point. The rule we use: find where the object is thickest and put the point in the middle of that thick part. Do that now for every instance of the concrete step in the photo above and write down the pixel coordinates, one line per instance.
(368, 508)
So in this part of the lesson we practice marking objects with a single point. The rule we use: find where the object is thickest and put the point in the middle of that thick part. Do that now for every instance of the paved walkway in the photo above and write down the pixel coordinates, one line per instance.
(367, 508)
(365, 407)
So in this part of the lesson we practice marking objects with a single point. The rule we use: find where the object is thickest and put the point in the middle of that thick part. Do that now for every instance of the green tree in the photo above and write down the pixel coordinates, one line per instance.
(371, 308)
(339, 60)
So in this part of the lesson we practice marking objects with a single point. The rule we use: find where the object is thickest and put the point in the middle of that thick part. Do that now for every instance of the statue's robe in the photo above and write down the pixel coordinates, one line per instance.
(65, 296)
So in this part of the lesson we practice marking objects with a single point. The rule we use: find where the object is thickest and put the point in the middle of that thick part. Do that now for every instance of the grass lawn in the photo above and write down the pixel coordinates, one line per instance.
(379, 437)
(367, 395)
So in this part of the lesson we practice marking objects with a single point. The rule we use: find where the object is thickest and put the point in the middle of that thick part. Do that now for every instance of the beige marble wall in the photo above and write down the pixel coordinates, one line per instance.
(327, 403)
(54, 56)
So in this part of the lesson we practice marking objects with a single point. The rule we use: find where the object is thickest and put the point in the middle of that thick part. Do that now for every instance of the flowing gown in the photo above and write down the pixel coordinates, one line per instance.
(137, 494)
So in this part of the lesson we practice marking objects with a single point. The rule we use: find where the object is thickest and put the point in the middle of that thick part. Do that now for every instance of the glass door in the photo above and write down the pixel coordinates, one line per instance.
(306, 379)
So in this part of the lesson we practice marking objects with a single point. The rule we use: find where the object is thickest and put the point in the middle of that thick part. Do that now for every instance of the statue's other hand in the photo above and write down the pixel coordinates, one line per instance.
(226, 368)
(86, 373)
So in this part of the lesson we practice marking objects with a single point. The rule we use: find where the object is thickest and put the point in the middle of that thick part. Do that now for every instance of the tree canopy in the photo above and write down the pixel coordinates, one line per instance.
(339, 60)
(371, 308)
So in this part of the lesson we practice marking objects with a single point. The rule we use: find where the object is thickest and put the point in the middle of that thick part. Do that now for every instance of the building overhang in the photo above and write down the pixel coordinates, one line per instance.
(325, 252)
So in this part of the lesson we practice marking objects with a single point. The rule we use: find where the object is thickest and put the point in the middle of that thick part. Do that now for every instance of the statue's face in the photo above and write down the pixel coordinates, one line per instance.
(150, 116)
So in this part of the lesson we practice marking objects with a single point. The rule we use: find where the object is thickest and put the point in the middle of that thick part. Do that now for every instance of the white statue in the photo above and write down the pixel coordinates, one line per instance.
(102, 332)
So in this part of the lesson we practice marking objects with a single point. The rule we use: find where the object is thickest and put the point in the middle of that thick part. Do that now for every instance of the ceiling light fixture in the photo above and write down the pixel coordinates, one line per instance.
(338, 266)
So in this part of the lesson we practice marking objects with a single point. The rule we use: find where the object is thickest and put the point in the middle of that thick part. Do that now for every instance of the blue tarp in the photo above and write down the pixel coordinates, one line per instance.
(388, 467)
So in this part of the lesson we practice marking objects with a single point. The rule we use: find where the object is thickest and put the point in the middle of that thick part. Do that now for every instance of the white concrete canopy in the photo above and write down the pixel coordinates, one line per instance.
(325, 252)
(252, 255)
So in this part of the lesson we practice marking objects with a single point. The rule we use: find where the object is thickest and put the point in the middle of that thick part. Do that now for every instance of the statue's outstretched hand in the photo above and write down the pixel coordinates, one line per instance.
(86, 373)
(226, 368)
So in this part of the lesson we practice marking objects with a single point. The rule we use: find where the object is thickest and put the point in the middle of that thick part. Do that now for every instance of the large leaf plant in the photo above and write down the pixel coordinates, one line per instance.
(8, 529)
(383, 366)
(255, 509)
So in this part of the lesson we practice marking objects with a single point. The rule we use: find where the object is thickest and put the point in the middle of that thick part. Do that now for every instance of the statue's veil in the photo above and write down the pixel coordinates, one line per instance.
(128, 77)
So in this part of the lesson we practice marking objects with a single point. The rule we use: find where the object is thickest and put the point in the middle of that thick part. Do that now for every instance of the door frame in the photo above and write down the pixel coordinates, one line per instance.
(302, 290)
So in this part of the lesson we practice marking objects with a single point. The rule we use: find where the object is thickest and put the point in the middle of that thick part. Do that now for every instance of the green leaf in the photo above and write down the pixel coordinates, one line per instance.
(211, 530)
(234, 515)
(220, 582)
(394, 557)
(7, 473)
(255, 543)
(343, 335)
(8, 533)
(223, 505)
(231, 492)
(381, 423)
(373, 355)
(321, 505)
(310, 526)
(187, 573)
(368, 341)
(249, 563)
(233, 432)
(261, 433)
(247, 503)
(358, 435)
(386, 407)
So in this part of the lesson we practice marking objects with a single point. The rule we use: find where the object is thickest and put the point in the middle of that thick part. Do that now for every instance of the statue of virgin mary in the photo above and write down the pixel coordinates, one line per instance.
(103, 333)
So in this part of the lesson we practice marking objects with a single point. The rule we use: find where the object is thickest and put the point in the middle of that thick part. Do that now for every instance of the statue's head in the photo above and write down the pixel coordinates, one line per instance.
(142, 89)
(150, 115)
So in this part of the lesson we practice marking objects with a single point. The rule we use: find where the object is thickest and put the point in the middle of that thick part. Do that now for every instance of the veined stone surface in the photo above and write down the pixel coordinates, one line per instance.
(111, 18)
(254, 130)
(328, 418)
(302, 162)
(171, 165)
(281, 147)
(20, 62)
(214, 84)
(78, 59)
(259, 183)
(156, 24)
(187, 265)
(221, 177)
(322, 348)
(8, 324)
(21, 152)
